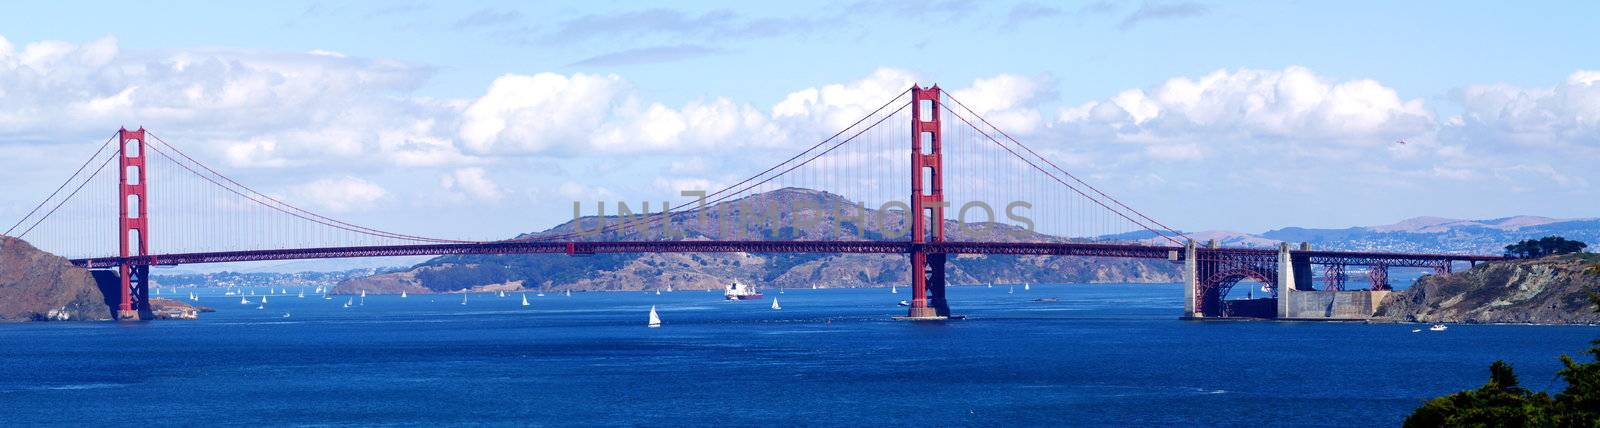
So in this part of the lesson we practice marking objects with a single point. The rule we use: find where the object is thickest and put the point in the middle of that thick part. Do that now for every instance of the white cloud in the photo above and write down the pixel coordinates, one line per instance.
(1254, 105)
(474, 183)
(820, 111)
(254, 109)
(1566, 115)
(341, 194)
(582, 114)
(1008, 101)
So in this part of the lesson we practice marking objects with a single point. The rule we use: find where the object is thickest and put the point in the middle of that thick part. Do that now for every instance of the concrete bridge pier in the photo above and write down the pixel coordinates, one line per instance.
(1286, 277)
(1191, 281)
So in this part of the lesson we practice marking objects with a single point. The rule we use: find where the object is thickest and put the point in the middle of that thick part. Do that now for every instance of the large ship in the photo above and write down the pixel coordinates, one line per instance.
(739, 291)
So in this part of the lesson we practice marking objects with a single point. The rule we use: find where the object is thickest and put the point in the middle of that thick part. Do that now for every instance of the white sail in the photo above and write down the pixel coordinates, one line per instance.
(463, 298)
(1012, 290)
(775, 304)
(524, 299)
(263, 300)
(1025, 287)
(261, 307)
(894, 290)
(244, 300)
(658, 292)
(363, 294)
(402, 294)
(302, 294)
(569, 293)
(655, 320)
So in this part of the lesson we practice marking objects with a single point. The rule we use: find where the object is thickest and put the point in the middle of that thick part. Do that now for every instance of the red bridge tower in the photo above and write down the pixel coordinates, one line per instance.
(927, 205)
(133, 226)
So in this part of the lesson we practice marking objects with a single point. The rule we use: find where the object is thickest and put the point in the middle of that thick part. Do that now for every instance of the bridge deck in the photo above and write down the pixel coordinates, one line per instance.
(836, 247)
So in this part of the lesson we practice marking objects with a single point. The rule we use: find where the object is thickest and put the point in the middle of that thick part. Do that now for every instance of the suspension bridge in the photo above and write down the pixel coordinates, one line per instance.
(166, 207)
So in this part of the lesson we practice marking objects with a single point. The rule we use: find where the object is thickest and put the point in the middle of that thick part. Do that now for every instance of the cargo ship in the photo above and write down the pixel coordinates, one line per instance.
(739, 291)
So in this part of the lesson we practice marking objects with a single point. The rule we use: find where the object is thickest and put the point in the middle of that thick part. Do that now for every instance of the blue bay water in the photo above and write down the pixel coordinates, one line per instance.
(1102, 354)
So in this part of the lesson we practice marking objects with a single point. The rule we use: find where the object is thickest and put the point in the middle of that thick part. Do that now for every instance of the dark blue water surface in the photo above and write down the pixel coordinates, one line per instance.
(1103, 354)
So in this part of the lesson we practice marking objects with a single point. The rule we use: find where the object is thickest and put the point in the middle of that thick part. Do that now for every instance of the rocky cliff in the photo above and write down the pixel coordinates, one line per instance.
(39, 286)
(1551, 290)
(785, 214)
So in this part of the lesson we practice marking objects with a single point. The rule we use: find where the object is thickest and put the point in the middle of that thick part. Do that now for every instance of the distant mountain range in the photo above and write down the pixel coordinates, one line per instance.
(801, 214)
(1420, 234)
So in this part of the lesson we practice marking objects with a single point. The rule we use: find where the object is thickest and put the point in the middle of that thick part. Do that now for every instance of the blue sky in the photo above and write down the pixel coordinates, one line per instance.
(1160, 101)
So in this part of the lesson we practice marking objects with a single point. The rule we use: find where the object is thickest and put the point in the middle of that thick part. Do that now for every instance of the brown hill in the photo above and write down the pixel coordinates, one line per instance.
(1551, 290)
(785, 214)
(39, 286)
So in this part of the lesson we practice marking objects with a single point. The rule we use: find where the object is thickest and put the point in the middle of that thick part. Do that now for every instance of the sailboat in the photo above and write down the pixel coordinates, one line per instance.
(658, 292)
(402, 294)
(325, 296)
(263, 300)
(569, 293)
(894, 289)
(363, 294)
(775, 304)
(813, 286)
(1012, 290)
(348, 302)
(302, 294)
(1025, 287)
(669, 289)
(463, 298)
(780, 291)
(655, 320)
(262, 306)
(524, 299)
(193, 297)
(244, 300)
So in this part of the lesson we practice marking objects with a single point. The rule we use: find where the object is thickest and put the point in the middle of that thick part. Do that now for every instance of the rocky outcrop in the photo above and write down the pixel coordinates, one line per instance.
(785, 214)
(39, 286)
(168, 309)
(1551, 290)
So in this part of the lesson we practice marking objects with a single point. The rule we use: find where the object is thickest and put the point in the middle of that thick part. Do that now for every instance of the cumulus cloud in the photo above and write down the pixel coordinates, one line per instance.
(584, 114)
(341, 194)
(472, 182)
(255, 109)
(829, 108)
(1564, 116)
(1008, 101)
(1293, 104)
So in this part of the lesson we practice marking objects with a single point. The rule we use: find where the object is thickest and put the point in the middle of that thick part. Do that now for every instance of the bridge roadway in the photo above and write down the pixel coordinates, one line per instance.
(1170, 253)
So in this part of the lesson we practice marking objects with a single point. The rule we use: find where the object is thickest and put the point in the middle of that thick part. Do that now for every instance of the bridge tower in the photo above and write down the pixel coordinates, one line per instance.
(133, 225)
(927, 206)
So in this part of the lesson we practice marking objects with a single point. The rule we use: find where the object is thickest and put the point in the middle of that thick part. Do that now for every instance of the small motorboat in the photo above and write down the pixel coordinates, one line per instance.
(904, 303)
(1437, 327)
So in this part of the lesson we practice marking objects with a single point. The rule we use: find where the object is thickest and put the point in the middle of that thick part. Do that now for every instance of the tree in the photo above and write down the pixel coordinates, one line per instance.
(1502, 402)
(1546, 246)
